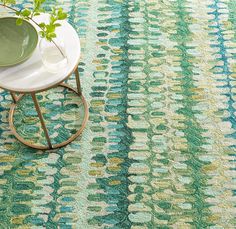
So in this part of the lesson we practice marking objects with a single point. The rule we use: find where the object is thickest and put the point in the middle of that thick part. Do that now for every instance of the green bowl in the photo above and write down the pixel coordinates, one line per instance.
(17, 42)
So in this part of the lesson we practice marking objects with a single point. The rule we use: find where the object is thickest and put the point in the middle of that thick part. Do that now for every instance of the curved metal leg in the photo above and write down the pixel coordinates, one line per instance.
(49, 145)
(36, 104)
(14, 97)
(78, 81)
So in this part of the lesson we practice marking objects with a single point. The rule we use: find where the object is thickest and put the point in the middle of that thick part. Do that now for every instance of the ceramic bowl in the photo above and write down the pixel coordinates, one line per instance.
(17, 42)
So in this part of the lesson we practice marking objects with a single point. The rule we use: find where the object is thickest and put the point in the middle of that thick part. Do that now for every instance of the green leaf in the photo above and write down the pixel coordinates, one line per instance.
(8, 1)
(26, 13)
(42, 34)
(42, 25)
(48, 38)
(50, 28)
(52, 19)
(38, 3)
(57, 24)
(19, 21)
(52, 35)
(62, 16)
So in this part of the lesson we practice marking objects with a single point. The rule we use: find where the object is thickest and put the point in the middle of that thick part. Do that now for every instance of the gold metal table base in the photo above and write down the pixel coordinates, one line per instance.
(49, 146)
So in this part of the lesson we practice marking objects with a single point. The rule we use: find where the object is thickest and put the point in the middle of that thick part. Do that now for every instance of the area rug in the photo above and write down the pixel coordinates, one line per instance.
(159, 148)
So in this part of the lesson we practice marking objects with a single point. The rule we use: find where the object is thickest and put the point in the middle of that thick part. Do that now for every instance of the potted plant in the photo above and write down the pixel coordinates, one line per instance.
(47, 30)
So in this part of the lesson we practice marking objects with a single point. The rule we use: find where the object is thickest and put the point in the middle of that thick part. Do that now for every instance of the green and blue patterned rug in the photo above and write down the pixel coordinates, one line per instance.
(159, 148)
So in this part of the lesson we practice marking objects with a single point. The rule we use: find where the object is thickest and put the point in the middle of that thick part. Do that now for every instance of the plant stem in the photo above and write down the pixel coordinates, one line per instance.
(31, 19)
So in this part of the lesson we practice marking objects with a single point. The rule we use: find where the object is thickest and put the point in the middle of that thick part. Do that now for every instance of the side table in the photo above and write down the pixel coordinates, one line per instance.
(31, 77)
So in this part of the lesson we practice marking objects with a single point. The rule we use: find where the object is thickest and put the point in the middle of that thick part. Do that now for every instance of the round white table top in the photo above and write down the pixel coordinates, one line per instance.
(31, 75)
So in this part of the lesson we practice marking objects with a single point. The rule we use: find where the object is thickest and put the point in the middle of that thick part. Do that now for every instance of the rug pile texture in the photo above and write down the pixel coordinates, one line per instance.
(159, 148)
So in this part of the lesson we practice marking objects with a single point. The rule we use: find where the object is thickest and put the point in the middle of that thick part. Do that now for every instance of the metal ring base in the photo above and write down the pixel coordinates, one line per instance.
(56, 146)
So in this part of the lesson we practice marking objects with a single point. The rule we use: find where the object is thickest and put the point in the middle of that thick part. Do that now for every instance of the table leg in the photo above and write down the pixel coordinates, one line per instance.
(14, 98)
(78, 81)
(36, 104)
